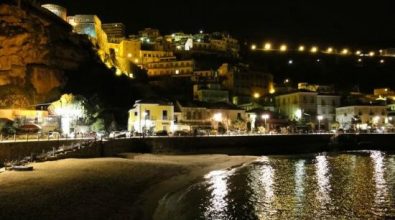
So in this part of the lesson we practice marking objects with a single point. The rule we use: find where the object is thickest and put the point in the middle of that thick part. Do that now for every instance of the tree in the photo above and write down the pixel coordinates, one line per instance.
(98, 125)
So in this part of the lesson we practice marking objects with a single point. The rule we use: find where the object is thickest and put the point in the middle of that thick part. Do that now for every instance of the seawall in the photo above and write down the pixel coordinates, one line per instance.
(232, 145)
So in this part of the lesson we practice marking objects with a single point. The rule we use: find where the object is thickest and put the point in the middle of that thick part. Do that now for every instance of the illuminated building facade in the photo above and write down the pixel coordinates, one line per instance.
(362, 116)
(298, 105)
(91, 26)
(246, 85)
(170, 67)
(208, 116)
(57, 10)
(115, 32)
(148, 116)
(326, 107)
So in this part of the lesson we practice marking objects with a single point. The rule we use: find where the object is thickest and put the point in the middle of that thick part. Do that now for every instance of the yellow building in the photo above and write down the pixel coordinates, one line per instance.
(169, 67)
(298, 105)
(31, 115)
(91, 26)
(151, 56)
(148, 116)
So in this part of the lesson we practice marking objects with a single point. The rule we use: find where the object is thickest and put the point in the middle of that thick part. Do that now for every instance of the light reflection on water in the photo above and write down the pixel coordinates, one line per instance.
(380, 196)
(324, 185)
(218, 186)
(300, 173)
(352, 185)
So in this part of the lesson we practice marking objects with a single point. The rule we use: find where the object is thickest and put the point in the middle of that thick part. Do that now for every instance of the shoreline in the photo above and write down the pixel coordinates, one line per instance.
(102, 188)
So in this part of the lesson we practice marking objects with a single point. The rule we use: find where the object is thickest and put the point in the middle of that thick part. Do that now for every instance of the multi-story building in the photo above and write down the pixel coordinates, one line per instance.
(151, 116)
(361, 116)
(246, 85)
(298, 105)
(91, 26)
(169, 67)
(306, 106)
(326, 107)
(210, 92)
(203, 115)
(151, 56)
(115, 32)
(194, 115)
(149, 33)
(316, 88)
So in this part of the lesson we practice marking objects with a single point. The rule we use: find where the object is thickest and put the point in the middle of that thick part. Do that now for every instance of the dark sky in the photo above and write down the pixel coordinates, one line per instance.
(347, 22)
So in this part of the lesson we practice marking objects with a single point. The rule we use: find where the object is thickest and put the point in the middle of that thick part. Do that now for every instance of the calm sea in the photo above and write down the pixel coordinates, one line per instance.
(350, 185)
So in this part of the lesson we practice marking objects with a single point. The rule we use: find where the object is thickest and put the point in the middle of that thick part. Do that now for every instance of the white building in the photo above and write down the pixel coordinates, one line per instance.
(326, 107)
(361, 116)
(308, 106)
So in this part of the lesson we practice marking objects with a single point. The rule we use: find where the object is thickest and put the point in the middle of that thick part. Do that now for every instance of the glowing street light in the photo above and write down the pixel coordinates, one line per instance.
(359, 60)
(217, 117)
(382, 61)
(376, 119)
(283, 48)
(267, 46)
(329, 50)
(301, 48)
(371, 54)
(345, 51)
(358, 53)
(253, 47)
(257, 95)
(319, 118)
(298, 114)
(265, 117)
(314, 49)
(177, 72)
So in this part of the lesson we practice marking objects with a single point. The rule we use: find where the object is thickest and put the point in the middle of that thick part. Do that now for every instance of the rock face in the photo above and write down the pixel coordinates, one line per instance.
(37, 49)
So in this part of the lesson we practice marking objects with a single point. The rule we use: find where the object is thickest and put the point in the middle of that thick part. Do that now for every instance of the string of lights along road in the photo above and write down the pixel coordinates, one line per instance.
(284, 48)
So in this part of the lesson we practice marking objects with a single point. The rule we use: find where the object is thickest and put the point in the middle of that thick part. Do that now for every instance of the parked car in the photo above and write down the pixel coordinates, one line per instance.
(54, 134)
(181, 133)
(161, 133)
(119, 134)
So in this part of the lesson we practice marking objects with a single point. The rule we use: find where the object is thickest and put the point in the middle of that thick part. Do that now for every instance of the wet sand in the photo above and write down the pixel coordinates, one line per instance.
(103, 188)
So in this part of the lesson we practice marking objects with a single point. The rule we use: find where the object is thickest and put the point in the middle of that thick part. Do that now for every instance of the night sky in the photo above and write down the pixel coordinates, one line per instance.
(347, 22)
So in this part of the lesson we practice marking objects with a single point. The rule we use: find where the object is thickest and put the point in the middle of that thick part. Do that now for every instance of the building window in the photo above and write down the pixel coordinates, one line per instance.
(189, 115)
(136, 113)
(147, 114)
(164, 115)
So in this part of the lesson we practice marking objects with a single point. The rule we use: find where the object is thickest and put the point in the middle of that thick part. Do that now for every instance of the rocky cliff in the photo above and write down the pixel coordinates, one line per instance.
(37, 49)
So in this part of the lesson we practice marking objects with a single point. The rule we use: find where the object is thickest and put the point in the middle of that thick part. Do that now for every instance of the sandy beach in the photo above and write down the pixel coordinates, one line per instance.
(103, 188)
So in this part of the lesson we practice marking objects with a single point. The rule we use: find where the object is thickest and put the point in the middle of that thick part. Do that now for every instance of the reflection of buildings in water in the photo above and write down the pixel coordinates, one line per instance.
(218, 181)
(300, 173)
(381, 193)
(322, 176)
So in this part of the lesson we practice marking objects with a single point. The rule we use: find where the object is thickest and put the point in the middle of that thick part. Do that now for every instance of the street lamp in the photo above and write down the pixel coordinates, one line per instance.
(283, 48)
(319, 118)
(257, 95)
(217, 118)
(268, 46)
(265, 117)
(145, 122)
